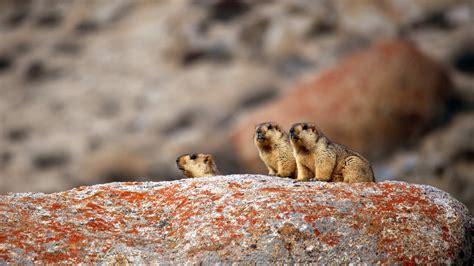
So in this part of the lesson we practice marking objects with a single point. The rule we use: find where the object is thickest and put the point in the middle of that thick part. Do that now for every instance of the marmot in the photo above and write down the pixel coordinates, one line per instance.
(319, 158)
(197, 165)
(274, 148)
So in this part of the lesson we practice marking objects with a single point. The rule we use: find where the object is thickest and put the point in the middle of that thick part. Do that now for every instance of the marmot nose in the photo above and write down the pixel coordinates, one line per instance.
(260, 135)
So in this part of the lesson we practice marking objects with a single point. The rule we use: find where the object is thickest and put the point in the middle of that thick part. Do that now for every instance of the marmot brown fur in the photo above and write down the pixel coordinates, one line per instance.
(319, 158)
(197, 165)
(274, 148)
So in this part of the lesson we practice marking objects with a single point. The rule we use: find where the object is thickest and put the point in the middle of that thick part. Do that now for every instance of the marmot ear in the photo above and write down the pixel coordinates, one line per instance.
(207, 158)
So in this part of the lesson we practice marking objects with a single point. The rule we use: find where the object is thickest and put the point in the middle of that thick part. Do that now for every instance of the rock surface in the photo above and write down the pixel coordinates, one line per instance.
(235, 219)
(372, 102)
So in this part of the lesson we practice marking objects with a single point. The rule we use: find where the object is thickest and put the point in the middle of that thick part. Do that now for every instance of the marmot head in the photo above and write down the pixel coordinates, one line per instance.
(268, 133)
(197, 165)
(304, 135)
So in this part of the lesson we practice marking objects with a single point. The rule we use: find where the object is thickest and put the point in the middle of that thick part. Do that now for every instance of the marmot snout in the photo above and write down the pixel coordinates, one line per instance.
(319, 158)
(274, 149)
(197, 165)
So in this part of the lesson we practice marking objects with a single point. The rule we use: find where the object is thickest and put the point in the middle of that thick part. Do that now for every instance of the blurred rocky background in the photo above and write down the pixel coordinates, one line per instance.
(100, 91)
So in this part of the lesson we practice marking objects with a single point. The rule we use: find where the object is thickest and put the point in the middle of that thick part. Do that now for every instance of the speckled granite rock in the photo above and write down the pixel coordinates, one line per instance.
(235, 218)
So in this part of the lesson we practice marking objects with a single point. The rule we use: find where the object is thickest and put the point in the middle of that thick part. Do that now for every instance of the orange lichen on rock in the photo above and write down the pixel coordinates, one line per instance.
(235, 219)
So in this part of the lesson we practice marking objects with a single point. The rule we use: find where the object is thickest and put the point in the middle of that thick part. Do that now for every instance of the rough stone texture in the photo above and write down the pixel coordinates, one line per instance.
(236, 219)
(372, 102)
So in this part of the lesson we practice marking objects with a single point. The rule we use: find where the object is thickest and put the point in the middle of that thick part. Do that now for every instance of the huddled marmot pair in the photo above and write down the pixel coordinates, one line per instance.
(305, 155)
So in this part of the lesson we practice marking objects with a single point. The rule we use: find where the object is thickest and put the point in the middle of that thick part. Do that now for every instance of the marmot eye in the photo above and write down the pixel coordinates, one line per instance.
(270, 127)
(193, 157)
(305, 126)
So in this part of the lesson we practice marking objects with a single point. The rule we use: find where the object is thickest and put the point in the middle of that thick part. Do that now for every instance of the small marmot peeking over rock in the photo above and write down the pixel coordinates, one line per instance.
(274, 148)
(319, 158)
(197, 165)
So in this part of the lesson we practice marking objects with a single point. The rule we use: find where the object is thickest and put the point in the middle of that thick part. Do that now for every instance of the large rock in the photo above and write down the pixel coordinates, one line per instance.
(235, 219)
(373, 101)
